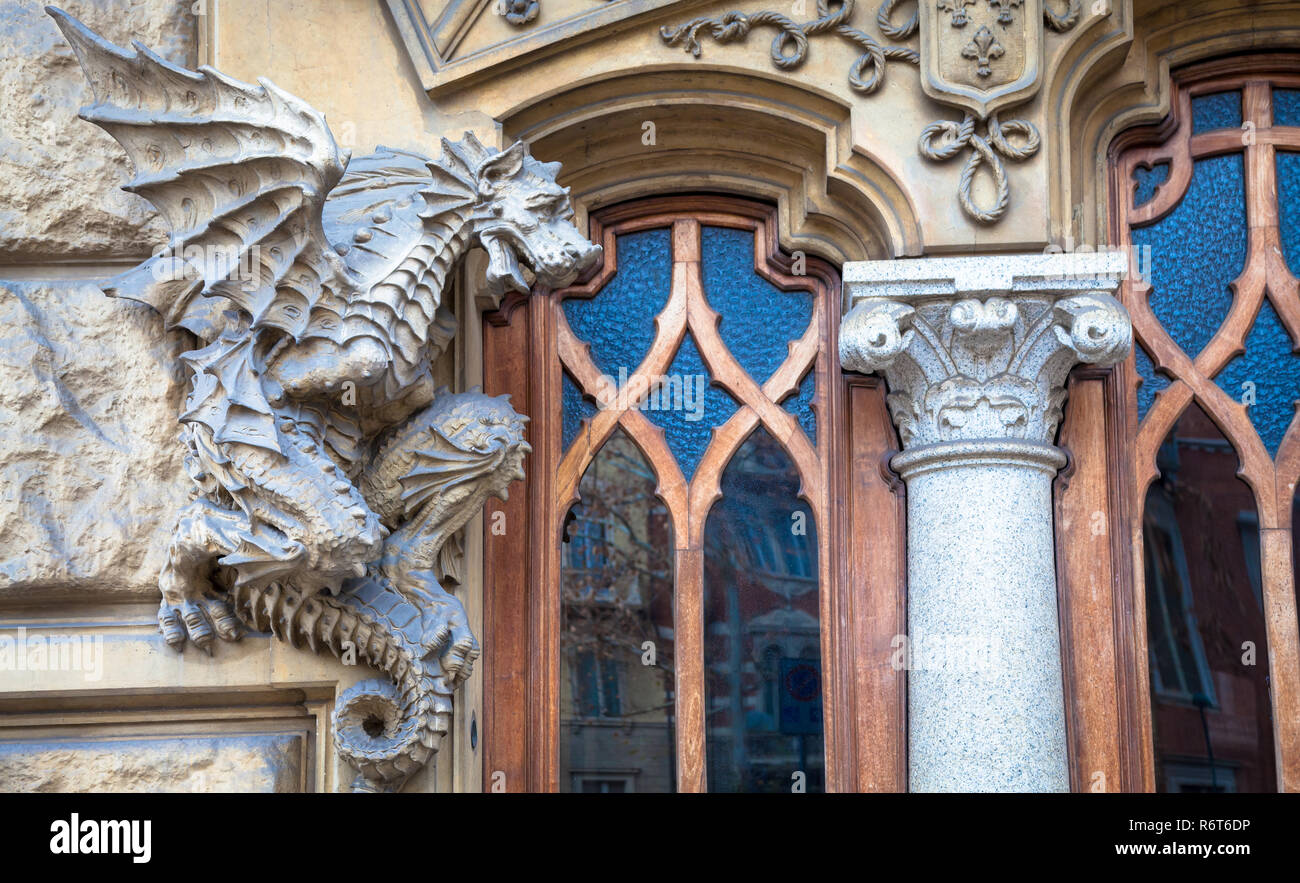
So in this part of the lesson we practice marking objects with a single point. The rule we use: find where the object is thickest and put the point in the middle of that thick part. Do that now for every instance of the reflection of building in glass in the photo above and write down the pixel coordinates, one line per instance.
(616, 691)
(1211, 710)
(762, 642)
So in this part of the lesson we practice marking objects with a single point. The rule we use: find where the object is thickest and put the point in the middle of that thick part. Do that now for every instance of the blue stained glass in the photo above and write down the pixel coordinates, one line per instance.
(1274, 369)
(1196, 251)
(619, 322)
(1222, 110)
(574, 408)
(1286, 107)
(799, 405)
(1288, 206)
(688, 419)
(758, 319)
(1148, 180)
(1152, 381)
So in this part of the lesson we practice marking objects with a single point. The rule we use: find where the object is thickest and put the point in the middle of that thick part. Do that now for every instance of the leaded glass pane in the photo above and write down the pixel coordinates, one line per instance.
(1286, 107)
(1266, 378)
(619, 322)
(758, 319)
(574, 408)
(1288, 206)
(800, 405)
(1147, 180)
(1152, 381)
(688, 405)
(1221, 110)
(1196, 251)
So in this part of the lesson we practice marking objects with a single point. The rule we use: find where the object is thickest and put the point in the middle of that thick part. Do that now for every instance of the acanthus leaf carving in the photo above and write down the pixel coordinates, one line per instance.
(329, 474)
(984, 367)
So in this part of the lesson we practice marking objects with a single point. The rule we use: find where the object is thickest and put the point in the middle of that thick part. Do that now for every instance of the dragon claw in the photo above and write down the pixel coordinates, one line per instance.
(446, 631)
(197, 621)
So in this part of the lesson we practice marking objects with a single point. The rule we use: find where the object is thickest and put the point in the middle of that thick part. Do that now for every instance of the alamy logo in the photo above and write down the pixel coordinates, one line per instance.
(22, 652)
(76, 836)
(667, 392)
(209, 263)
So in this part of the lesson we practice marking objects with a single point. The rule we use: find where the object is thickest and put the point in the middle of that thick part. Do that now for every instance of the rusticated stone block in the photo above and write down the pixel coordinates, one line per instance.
(265, 763)
(60, 179)
(90, 473)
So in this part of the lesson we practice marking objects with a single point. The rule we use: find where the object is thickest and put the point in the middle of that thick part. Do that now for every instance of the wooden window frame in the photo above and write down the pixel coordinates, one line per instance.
(1104, 633)
(860, 511)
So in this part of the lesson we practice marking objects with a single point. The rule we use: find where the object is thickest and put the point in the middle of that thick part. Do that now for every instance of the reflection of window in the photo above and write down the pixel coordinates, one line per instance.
(761, 551)
(603, 783)
(1198, 777)
(596, 685)
(764, 718)
(586, 546)
(1178, 666)
(798, 557)
(779, 549)
(1248, 527)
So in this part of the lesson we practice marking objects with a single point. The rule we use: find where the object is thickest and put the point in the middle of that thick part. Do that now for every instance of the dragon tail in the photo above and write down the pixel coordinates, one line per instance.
(386, 729)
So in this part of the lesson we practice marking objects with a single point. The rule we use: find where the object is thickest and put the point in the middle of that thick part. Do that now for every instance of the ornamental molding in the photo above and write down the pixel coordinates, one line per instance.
(981, 57)
(436, 43)
(979, 348)
(330, 477)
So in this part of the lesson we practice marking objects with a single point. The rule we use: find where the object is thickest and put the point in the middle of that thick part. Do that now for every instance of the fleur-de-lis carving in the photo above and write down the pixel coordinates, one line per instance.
(1004, 8)
(958, 10)
(984, 48)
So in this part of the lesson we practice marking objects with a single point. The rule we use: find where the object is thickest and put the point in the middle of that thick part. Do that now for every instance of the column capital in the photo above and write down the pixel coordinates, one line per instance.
(978, 348)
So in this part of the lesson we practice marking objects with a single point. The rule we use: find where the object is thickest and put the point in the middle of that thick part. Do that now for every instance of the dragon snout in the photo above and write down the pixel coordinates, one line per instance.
(583, 255)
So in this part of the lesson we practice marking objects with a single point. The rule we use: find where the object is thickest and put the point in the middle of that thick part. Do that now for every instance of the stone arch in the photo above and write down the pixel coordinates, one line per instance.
(725, 133)
(1120, 78)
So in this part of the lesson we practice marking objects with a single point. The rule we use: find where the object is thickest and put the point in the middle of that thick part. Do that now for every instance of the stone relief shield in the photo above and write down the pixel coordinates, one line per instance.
(982, 55)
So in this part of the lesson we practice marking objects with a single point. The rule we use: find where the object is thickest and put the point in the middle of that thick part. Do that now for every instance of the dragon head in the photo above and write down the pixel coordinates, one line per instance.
(488, 432)
(520, 216)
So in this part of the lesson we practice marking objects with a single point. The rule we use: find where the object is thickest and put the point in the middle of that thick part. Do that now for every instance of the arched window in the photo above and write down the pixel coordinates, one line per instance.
(666, 609)
(1209, 204)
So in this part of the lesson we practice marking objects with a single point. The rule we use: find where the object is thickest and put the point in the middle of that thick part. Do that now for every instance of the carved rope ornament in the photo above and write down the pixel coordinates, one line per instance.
(329, 474)
(789, 48)
(941, 140)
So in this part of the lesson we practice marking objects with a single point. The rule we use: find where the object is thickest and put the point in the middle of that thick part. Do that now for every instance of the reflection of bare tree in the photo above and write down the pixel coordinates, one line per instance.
(617, 578)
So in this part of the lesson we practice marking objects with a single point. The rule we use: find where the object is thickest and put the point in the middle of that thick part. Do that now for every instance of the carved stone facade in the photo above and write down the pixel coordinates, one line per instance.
(305, 308)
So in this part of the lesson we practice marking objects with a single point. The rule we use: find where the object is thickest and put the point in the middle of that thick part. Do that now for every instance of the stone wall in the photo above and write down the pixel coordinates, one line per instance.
(90, 468)
(60, 177)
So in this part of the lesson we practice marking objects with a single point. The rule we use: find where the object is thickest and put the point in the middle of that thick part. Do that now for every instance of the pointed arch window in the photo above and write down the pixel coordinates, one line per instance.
(687, 399)
(1208, 204)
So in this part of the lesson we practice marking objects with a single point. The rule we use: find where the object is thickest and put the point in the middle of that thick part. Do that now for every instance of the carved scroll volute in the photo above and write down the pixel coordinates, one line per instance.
(966, 368)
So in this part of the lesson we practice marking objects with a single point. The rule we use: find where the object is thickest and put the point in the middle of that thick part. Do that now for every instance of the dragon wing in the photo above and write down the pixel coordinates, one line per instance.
(240, 173)
(391, 235)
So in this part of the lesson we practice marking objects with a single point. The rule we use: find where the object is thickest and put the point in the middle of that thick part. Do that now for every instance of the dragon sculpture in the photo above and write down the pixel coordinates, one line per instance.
(329, 472)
